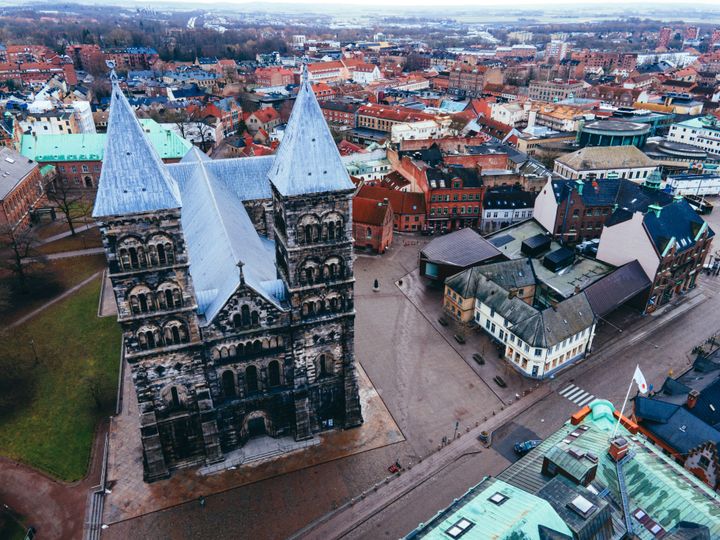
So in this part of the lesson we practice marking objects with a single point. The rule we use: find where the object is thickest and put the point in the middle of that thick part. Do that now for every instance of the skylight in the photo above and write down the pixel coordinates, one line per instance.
(459, 528)
(498, 498)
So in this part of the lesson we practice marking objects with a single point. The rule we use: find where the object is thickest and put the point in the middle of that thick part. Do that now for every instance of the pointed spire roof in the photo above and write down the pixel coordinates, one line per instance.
(133, 178)
(308, 160)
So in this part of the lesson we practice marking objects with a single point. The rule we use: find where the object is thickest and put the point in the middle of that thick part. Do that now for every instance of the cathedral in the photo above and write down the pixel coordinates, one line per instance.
(234, 287)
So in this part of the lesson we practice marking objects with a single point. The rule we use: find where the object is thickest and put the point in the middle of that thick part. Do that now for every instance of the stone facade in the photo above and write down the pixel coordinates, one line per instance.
(275, 358)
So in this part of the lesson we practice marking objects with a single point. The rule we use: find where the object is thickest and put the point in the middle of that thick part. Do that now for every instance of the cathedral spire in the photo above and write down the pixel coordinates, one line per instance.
(133, 179)
(308, 160)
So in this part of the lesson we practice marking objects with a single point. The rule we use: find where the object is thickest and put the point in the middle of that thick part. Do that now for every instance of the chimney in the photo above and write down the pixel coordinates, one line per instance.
(678, 198)
(512, 293)
(655, 208)
(580, 185)
(692, 399)
(385, 201)
(618, 448)
(532, 116)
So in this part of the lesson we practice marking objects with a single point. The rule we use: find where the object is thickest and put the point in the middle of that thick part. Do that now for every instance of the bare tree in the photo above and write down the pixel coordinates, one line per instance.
(69, 200)
(17, 245)
(98, 388)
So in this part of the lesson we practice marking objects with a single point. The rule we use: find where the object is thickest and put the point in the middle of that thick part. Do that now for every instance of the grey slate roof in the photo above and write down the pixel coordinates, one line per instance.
(537, 328)
(13, 168)
(246, 178)
(133, 178)
(613, 290)
(308, 160)
(460, 248)
(220, 235)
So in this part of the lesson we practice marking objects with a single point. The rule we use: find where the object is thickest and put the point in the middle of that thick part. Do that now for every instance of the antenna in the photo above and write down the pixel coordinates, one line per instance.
(113, 76)
(304, 74)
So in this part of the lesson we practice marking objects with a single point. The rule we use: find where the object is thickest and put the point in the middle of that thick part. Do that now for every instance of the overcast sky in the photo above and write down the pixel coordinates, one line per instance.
(682, 4)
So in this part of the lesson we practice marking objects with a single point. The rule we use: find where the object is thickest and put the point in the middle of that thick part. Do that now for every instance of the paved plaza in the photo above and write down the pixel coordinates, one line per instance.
(131, 497)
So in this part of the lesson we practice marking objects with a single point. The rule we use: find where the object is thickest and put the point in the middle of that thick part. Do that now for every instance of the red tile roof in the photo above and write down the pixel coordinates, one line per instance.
(268, 114)
(398, 114)
(369, 211)
(402, 202)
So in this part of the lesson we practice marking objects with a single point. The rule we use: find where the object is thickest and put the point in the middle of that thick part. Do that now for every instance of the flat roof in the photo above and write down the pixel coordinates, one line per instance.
(582, 273)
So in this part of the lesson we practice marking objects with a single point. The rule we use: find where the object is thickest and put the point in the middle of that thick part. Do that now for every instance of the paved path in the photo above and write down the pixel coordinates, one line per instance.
(348, 517)
(76, 253)
(49, 303)
(56, 509)
(65, 234)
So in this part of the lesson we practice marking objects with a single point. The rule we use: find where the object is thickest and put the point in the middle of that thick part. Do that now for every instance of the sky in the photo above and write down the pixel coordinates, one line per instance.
(682, 4)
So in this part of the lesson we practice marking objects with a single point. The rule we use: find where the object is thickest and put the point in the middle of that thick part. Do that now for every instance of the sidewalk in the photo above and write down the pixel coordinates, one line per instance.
(65, 234)
(361, 508)
(52, 301)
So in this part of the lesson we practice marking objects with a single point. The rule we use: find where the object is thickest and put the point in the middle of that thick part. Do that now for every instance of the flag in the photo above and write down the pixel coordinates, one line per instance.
(639, 378)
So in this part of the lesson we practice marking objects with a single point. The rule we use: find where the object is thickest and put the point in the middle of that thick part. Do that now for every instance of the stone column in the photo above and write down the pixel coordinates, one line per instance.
(154, 466)
(303, 429)
(208, 424)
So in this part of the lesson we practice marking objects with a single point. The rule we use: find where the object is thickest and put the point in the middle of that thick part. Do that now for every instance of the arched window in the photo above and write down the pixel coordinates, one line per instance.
(255, 318)
(251, 379)
(257, 346)
(308, 234)
(237, 320)
(245, 312)
(134, 262)
(169, 301)
(174, 398)
(162, 259)
(228, 383)
(324, 366)
(331, 231)
(150, 339)
(274, 373)
(175, 334)
(368, 232)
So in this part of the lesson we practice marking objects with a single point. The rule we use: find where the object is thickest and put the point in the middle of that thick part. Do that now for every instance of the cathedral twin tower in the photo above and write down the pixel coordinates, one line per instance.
(234, 287)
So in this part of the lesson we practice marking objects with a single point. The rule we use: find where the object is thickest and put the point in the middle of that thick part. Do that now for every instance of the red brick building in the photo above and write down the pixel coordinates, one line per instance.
(20, 188)
(265, 119)
(339, 112)
(454, 198)
(409, 209)
(38, 72)
(372, 224)
(273, 76)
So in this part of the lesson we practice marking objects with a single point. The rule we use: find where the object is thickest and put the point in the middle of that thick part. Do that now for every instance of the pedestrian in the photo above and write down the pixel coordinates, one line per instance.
(202, 501)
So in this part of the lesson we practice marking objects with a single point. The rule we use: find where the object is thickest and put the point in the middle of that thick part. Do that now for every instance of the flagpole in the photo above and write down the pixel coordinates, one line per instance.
(623, 408)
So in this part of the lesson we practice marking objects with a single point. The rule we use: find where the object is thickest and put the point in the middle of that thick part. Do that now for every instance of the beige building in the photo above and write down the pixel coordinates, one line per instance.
(624, 161)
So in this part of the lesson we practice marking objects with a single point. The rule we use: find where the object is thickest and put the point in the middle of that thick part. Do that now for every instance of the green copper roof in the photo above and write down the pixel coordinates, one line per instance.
(91, 146)
(494, 510)
(665, 491)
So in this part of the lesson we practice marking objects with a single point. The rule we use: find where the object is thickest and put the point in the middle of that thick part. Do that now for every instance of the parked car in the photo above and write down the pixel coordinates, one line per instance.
(459, 339)
(427, 231)
(499, 381)
(522, 448)
(479, 359)
(443, 321)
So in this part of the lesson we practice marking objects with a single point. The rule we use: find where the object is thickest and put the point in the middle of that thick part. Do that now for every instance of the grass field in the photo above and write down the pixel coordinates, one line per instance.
(55, 277)
(51, 426)
(82, 240)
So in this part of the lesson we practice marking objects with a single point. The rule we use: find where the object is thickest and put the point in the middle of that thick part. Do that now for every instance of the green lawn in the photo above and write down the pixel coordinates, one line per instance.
(51, 424)
(82, 240)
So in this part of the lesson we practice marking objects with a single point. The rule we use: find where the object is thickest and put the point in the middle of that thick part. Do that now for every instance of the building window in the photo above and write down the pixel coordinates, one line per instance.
(460, 527)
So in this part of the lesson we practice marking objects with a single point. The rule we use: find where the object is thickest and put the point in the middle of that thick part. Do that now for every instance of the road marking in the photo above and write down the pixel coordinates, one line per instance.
(575, 394)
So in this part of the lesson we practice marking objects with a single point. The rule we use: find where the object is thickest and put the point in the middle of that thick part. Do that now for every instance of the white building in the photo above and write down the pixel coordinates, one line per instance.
(84, 116)
(510, 114)
(536, 342)
(425, 129)
(372, 165)
(695, 184)
(624, 161)
(700, 132)
(365, 73)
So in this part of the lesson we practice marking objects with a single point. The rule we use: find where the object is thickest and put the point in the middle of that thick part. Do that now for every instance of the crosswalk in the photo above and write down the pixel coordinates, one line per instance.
(577, 395)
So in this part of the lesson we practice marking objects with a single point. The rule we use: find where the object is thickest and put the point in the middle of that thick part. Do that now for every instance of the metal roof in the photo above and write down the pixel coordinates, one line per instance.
(91, 146)
(664, 490)
(220, 237)
(460, 248)
(308, 160)
(613, 290)
(495, 509)
(13, 168)
(133, 179)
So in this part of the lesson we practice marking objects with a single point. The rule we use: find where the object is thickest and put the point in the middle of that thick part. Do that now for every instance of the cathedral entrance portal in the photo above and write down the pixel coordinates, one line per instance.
(256, 427)
(256, 424)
